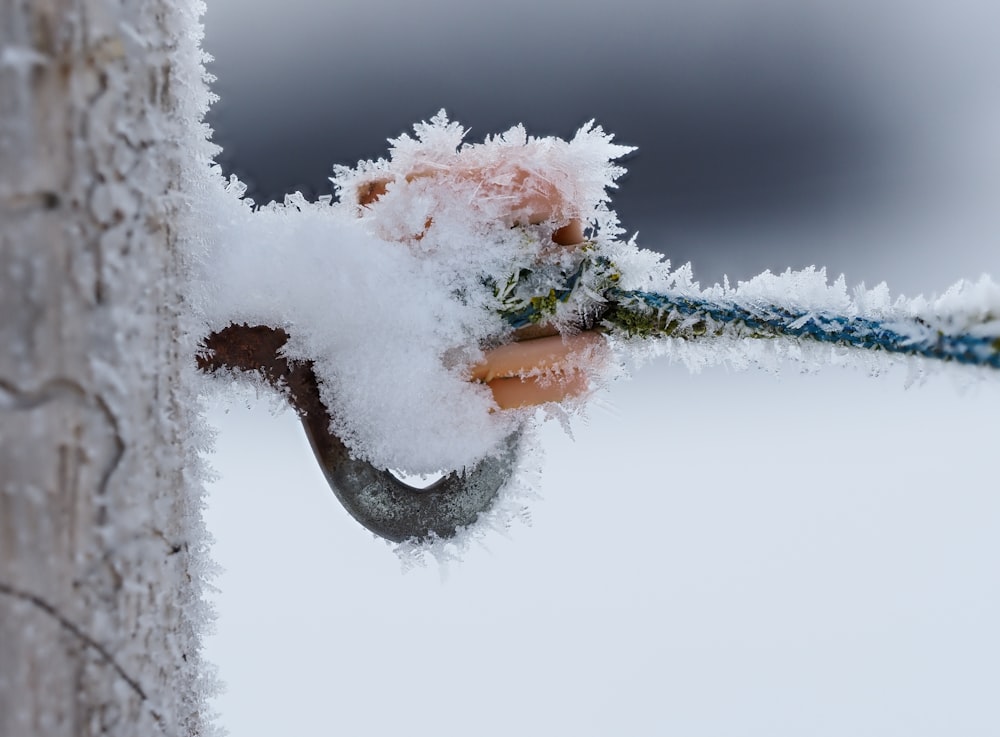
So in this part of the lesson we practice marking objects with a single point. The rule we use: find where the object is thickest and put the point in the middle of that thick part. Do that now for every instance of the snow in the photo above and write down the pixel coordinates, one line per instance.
(392, 290)
(393, 302)
(102, 431)
(812, 554)
(808, 549)
(970, 309)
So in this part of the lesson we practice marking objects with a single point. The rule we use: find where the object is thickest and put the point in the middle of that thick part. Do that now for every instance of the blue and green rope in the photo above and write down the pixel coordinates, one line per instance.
(651, 314)
(645, 314)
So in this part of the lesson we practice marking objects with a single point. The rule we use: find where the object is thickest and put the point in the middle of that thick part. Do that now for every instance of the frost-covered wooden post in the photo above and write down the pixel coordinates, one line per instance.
(100, 584)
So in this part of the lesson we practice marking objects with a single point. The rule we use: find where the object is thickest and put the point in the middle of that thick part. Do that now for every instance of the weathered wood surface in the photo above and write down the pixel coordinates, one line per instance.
(99, 587)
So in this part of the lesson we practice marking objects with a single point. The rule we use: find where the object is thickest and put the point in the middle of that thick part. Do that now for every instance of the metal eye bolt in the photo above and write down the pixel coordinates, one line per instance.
(378, 500)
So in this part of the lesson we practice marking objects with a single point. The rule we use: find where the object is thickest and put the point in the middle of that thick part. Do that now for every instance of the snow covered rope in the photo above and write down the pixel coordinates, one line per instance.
(961, 327)
(486, 272)
(650, 314)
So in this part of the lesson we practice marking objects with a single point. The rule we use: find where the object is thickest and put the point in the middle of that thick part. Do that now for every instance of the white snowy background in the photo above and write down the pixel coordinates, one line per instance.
(712, 554)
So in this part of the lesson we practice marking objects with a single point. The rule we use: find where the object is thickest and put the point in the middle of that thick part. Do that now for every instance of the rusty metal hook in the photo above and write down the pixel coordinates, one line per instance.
(378, 500)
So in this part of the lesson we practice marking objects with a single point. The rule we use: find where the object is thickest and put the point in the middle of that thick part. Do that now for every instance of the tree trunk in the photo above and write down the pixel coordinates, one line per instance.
(100, 531)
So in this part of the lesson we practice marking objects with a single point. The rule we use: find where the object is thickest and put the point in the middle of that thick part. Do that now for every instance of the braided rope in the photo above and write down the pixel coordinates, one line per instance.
(651, 314)
(963, 338)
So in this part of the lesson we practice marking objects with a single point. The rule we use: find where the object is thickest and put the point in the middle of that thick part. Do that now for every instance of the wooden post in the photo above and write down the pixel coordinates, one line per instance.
(100, 531)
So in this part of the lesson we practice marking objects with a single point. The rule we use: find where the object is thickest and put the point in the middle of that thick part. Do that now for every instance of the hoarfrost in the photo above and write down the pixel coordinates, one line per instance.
(393, 303)
(392, 291)
(967, 308)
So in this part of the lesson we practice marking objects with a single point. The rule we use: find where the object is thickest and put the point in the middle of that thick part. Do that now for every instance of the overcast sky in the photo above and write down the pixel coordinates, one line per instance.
(717, 554)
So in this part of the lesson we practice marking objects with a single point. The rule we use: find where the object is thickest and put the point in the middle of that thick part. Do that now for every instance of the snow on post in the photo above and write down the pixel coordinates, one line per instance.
(102, 557)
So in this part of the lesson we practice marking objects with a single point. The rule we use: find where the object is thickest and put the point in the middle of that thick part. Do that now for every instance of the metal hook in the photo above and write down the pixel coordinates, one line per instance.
(378, 500)
(397, 511)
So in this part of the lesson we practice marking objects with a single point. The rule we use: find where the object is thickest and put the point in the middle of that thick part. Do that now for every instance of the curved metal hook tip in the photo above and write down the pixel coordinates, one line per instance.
(375, 498)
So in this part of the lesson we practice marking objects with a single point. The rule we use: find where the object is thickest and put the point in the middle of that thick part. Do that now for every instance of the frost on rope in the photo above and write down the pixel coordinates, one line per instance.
(393, 303)
(443, 247)
(960, 326)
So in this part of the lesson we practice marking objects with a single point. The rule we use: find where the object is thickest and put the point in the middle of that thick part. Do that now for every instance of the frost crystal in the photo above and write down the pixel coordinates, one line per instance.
(445, 248)
(393, 290)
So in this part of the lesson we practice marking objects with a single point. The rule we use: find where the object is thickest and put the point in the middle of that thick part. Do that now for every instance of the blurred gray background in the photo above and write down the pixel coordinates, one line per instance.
(770, 133)
(717, 554)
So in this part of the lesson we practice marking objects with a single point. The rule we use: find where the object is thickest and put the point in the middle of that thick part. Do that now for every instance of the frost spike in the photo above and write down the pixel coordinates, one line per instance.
(650, 314)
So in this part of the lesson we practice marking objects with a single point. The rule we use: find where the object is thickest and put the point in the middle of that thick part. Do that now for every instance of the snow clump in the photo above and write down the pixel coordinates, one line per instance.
(392, 290)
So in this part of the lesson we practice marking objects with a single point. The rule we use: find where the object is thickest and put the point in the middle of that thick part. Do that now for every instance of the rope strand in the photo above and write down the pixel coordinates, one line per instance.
(589, 296)
(650, 314)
